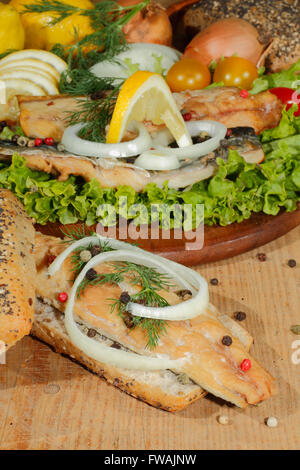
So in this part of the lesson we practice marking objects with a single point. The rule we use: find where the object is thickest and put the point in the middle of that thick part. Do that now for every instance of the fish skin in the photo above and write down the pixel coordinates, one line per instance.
(210, 364)
(224, 104)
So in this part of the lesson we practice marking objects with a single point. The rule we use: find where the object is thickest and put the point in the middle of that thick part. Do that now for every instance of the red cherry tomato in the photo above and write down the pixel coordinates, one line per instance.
(188, 74)
(235, 71)
(287, 96)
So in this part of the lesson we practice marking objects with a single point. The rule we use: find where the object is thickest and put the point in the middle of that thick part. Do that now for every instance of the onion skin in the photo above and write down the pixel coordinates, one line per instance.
(151, 24)
(226, 38)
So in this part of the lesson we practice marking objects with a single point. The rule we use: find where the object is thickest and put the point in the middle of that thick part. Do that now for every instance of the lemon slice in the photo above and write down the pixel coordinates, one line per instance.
(19, 86)
(145, 96)
(37, 77)
(37, 54)
(32, 63)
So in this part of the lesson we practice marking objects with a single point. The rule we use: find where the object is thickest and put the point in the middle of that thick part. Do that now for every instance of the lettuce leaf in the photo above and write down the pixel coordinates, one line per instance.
(236, 191)
(286, 78)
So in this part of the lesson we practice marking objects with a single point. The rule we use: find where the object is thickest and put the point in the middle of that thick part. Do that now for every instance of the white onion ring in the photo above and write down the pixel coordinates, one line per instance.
(78, 146)
(215, 129)
(157, 160)
(102, 352)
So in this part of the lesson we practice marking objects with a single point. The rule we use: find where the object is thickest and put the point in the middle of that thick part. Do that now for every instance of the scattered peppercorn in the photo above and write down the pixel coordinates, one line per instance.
(222, 419)
(14, 138)
(85, 256)
(240, 316)
(187, 116)
(38, 142)
(51, 258)
(244, 93)
(115, 345)
(184, 294)
(292, 263)
(214, 281)
(91, 333)
(295, 329)
(49, 141)
(63, 297)
(245, 365)
(98, 95)
(124, 298)
(272, 422)
(261, 257)
(22, 141)
(95, 250)
(31, 143)
(128, 320)
(227, 340)
(91, 274)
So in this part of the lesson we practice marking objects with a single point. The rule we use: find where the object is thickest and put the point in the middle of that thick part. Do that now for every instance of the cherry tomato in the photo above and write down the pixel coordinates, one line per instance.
(235, 71)
(188, 74)
(287, 96)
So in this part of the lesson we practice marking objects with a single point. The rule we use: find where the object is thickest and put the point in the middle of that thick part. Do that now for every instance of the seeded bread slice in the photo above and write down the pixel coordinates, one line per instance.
(17, 270)
(161, 389)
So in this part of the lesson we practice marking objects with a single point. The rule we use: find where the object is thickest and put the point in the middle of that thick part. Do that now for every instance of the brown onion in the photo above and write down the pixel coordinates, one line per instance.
(151, 24)
(225, 38)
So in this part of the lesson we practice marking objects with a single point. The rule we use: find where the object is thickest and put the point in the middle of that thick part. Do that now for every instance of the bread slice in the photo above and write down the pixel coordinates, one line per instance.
(17, 270)
(162, 389)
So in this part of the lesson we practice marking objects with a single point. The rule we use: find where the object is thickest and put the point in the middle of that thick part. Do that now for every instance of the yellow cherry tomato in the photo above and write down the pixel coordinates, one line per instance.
(235, 71)
(188, 74)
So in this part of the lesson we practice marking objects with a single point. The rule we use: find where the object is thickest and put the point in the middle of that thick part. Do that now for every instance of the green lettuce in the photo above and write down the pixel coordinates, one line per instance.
(286, 78)
(236, 191)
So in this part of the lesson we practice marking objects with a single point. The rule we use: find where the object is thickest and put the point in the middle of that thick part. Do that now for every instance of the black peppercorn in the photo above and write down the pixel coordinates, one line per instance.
(125, 298)
(128, 320)
(91, 333)
(115, 345)
(239, 316)
(91, 274)
(214, 281)
(15, 138)
(292, 263)
(226, 340)
(185, 294)
(95, 250)
(97, 95)
(261, 257)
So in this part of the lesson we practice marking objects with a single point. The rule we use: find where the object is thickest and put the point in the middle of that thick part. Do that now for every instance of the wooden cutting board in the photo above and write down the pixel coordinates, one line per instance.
(49, 402)
(219, 242)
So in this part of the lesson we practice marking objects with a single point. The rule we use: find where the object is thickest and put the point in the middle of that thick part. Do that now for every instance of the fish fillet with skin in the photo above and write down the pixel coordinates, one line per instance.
(47, 116)
(209, 363)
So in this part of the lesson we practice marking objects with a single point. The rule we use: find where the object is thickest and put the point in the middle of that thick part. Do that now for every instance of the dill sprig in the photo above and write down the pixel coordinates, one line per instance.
(107, 20)
(95, 114)
(148, 280)
(107, 40)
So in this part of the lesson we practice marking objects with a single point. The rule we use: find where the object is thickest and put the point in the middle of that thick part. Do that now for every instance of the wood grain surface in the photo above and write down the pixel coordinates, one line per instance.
(49, 402)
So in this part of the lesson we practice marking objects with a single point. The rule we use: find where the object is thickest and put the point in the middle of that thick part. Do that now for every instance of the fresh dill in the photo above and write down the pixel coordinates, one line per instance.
(107, 40)
(107, 20)
(95, 114)
(147, 281)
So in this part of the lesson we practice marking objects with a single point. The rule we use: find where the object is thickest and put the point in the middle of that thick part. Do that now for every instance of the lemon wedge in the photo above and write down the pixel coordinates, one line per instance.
(145, 96)
(35, 76)
(19, 86)
(32, 63)
(37, 54)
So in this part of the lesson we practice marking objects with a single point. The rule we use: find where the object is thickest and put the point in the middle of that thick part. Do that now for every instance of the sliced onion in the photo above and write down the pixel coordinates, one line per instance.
(157, 160)
(215, 129)
(78, 146)
(102, 352)
(192, 308)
